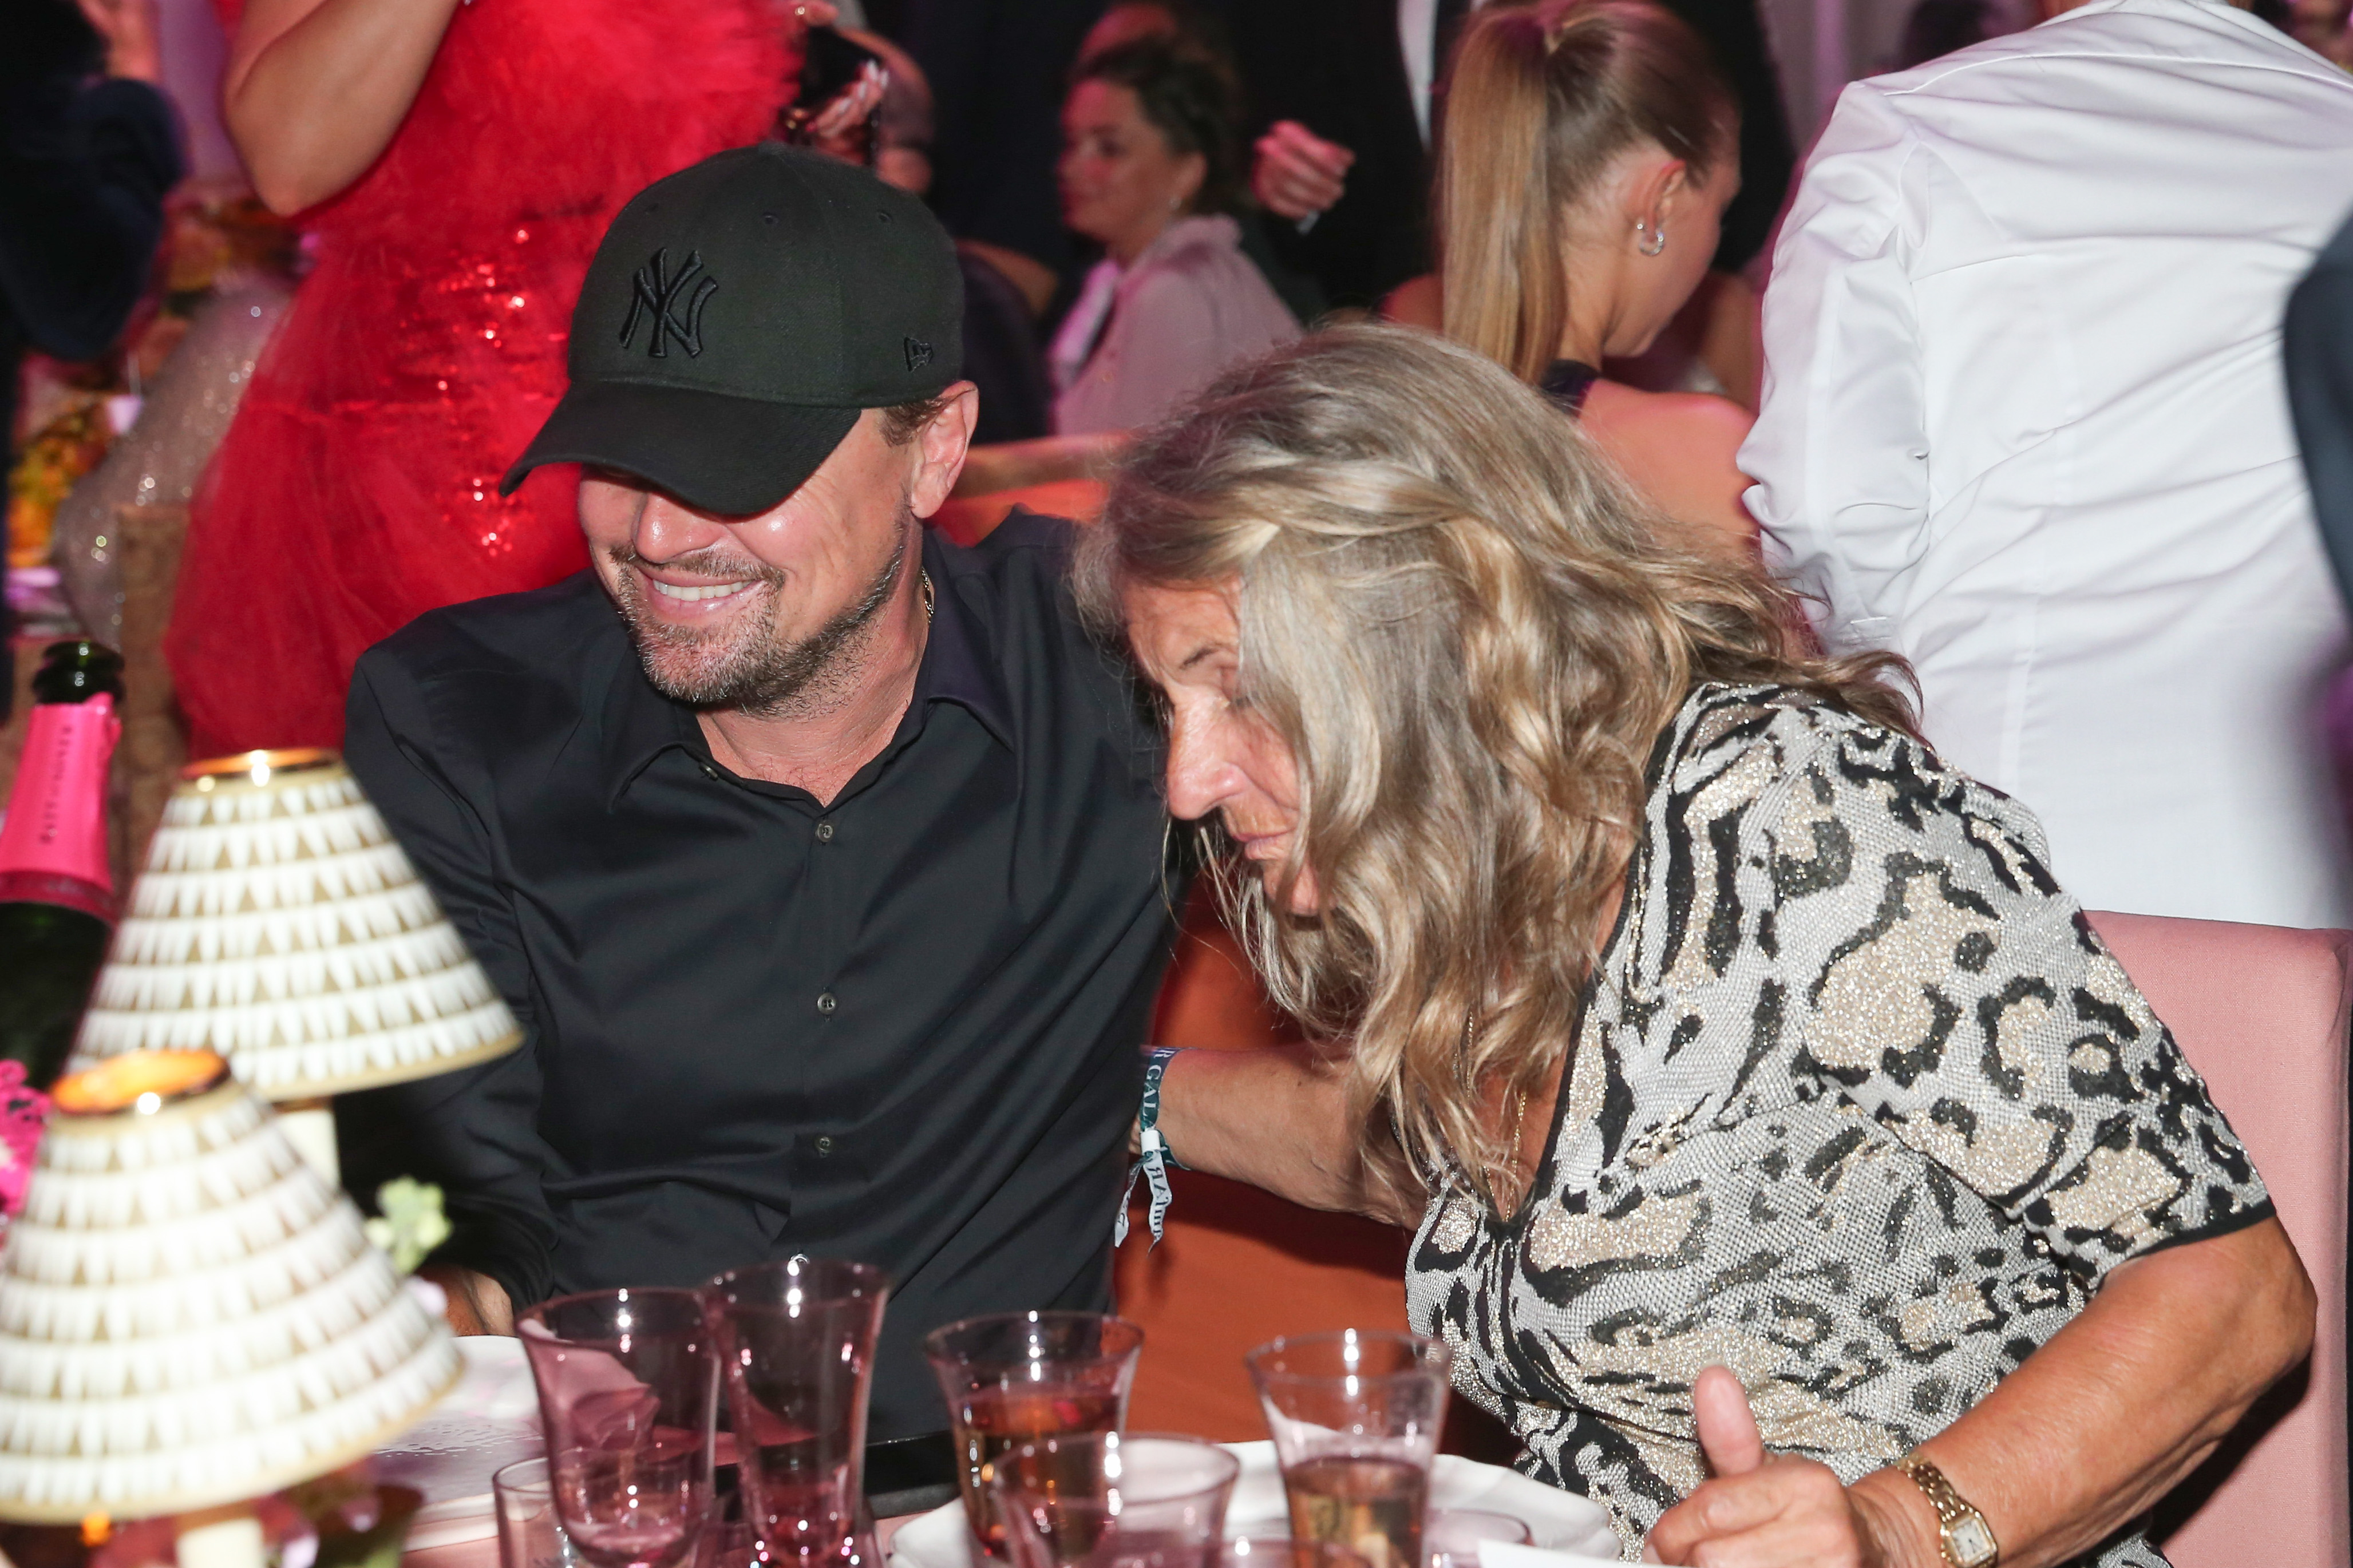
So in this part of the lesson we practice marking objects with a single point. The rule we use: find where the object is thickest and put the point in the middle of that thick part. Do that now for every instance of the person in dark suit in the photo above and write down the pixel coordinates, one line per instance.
(1342, 166)
(997, 69)
(1345, 102)
(89, 149)
(2318, 344)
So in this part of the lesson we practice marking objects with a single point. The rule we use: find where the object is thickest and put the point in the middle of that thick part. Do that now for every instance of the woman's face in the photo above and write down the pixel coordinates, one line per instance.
(1222, 757)
(1121, 183)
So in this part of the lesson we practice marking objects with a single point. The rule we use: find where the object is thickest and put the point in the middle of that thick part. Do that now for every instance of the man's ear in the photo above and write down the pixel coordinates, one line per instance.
(940, 448)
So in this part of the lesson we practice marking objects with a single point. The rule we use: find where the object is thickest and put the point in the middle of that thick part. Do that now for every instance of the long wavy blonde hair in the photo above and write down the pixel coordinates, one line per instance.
(1470, 636)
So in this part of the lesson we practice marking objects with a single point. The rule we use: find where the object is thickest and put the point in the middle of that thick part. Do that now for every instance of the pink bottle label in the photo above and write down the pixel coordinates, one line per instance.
(56, 814)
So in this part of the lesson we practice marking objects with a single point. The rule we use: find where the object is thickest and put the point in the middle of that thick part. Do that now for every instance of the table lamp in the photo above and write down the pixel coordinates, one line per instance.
(190, 1315)
(279, 924)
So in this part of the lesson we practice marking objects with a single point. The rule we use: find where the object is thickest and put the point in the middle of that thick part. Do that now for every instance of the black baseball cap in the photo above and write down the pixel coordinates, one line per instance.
(738, 316)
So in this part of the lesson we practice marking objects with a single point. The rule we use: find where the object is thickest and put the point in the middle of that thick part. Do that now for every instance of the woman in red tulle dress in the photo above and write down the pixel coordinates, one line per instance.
(457, 165)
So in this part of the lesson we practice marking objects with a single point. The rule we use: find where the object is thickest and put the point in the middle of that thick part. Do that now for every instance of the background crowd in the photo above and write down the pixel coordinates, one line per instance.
(2031, 391)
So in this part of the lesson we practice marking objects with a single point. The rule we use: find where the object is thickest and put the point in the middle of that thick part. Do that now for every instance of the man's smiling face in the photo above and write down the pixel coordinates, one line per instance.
(762, 613)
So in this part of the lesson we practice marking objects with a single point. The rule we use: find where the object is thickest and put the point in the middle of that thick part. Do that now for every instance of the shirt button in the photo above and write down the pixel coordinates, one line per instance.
(826, 1004)
(825, 833)
(824, 1146)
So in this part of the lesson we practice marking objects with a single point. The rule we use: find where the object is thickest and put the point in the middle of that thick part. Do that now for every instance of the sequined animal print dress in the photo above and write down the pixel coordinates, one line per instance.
(1860, 1107)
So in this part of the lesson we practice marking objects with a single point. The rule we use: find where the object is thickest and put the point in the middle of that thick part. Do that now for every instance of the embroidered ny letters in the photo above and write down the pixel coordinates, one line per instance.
(656, 297)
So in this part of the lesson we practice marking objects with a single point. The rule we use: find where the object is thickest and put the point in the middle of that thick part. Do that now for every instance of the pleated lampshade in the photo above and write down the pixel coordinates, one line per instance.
(190, 1316)
(279, 924)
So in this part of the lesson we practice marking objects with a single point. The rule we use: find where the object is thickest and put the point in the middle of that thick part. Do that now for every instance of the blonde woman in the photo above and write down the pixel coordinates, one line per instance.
(1697, 1014)
(1591, 150)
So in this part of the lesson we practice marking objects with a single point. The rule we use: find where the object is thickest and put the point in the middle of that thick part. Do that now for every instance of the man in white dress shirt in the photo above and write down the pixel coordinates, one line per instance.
(2024, 423)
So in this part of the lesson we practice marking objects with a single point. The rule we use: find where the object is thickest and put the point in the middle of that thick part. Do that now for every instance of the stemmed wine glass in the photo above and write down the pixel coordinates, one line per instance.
(628, 1386)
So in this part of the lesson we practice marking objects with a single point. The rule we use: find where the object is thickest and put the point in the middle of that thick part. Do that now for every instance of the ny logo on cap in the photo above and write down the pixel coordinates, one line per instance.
(656, 297)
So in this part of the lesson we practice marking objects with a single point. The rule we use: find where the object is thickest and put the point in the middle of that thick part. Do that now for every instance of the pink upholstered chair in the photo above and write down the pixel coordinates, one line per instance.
(2261, 1013)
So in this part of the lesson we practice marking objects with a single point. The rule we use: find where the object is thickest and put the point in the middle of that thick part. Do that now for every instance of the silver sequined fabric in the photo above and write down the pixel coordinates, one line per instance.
(1860, 1107)
(159, 460)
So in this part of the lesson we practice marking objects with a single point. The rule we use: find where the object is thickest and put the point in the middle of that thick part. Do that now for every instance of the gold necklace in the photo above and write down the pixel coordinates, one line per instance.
(930, 601)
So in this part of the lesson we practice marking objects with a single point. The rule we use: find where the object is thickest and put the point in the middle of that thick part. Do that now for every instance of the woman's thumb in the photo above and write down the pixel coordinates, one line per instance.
(1727, 1429)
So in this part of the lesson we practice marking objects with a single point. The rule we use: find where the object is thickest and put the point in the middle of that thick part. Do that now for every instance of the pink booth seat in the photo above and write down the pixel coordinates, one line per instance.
(2261, 1013)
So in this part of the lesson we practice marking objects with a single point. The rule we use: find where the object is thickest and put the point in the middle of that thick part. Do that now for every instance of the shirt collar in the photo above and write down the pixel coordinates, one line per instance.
(640, 723)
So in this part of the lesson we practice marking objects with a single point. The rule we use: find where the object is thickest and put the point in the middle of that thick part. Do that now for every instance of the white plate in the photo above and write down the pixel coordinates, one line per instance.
(1560, 1522)
(489, 1421)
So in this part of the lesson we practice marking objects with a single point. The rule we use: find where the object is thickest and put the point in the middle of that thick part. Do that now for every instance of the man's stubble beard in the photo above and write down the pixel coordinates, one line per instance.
(744, 668)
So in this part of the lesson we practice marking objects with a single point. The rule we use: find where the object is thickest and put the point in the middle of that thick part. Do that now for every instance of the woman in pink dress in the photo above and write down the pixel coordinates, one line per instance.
(456, 165)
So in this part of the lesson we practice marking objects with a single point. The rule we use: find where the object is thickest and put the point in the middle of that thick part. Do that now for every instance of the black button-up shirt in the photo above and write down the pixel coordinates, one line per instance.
(900, 1027)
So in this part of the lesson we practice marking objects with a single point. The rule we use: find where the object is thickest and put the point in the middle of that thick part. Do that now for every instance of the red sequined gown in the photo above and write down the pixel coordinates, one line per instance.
(358, 485)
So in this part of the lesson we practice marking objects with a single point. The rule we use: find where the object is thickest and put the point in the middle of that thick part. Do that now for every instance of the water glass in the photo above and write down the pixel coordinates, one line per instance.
(530, 1535)
(796, 1341)
(628, 1393)
(1281, 1552)
(1020, 1377)
(729, 1543)
(1451, 1537)
(1356, 1416)
(1112, 1499)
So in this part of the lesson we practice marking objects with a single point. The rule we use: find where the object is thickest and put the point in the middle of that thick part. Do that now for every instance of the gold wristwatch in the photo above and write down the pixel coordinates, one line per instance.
(1962, 1530)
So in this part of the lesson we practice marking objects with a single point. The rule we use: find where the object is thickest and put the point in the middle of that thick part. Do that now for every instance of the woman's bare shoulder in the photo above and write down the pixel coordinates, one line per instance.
(1690, 422)
(1681, 449)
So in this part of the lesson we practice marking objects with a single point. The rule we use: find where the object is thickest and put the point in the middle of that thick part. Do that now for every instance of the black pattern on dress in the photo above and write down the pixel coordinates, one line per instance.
(1860, 1107)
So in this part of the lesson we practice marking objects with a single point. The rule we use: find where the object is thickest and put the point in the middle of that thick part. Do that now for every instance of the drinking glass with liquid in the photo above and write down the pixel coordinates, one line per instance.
(796, 1339)
(1114, 1499)
(1018, 1377)
(1356, 1416)
(629, 1386)
(530, 1534)
(1452, 1536)
(1281, 1552)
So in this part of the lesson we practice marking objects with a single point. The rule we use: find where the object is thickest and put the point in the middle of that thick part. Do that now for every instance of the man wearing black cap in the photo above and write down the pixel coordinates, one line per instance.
(826, 874)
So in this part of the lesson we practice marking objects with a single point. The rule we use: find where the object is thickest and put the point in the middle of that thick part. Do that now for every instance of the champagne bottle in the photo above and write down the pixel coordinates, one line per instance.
(57, 896)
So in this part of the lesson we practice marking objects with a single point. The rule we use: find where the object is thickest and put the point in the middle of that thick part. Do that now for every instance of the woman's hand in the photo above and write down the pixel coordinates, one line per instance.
(1764, 1511)
(129, 28)
(1297, 174)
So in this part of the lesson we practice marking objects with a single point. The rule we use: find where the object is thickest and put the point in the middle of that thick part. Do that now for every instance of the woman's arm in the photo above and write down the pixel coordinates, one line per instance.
(2095, 1428)
(315, 88)
(476, 1304)
(1276, 1119)
(1011, 464)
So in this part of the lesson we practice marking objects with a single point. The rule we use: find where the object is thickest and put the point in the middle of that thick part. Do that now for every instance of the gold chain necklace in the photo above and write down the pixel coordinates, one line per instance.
(924, 582)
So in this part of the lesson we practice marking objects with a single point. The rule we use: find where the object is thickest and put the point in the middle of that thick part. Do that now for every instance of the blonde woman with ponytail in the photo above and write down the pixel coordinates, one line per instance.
(1782, 1144)
(1592, 147)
